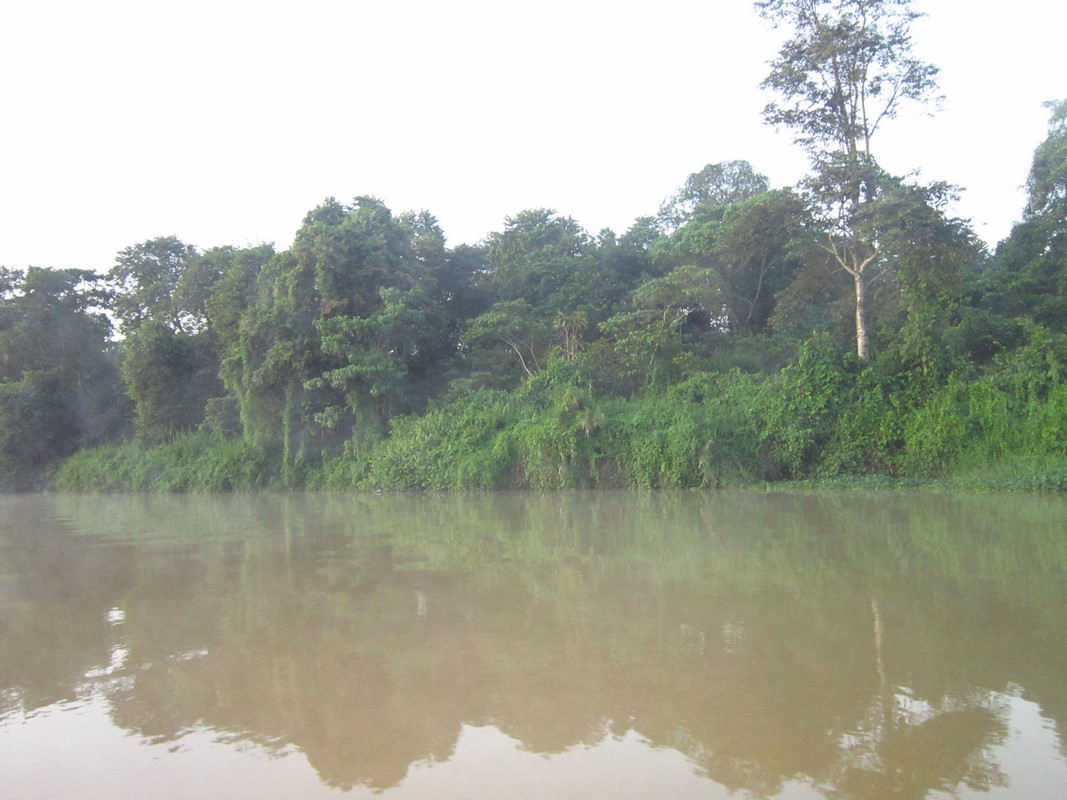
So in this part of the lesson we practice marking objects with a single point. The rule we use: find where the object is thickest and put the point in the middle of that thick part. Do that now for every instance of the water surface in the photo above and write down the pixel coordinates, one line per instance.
(583, 645)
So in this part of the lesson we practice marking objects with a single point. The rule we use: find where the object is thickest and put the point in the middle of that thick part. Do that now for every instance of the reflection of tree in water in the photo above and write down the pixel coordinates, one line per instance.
(908, 747)
(904, 747)
(367, 632)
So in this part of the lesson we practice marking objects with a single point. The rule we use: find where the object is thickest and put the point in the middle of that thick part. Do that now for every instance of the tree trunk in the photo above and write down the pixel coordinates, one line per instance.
(862, 346)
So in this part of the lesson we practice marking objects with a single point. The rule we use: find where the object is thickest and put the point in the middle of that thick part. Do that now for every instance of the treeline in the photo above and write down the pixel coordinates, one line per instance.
(713, 343)
(844, 327)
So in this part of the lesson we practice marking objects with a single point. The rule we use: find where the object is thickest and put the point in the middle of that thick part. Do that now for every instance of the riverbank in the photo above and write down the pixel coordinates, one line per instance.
(196, 464)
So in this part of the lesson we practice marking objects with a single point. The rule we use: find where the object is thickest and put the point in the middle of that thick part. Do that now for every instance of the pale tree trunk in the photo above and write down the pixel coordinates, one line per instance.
(857, 267)
(862, 346)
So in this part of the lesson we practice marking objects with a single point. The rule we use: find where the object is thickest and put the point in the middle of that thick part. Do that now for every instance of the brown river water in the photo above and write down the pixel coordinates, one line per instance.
(585, 645)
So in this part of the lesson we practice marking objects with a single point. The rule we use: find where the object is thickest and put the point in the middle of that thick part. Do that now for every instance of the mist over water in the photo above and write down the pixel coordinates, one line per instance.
(530, 645)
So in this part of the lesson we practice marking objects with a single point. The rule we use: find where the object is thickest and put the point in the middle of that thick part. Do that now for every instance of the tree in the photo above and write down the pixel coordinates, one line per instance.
(353, 251)
(146, 280)
(276, 351)
(539, 258)
(234, 291)
(632, 261)
(170, 376)
(844, 70)
(382, 356)
(162, 288)
(381, 325)
(720, 184)
(570, 330)
(462, 286)
(1046, 185)
(510, 328)
(759, 248)
(913, 286)
(346, 330)
(754, 244)
(541, 268)
(1028, 276)
(925, 255)
(49, 317)
(59, 385)
(664, 316)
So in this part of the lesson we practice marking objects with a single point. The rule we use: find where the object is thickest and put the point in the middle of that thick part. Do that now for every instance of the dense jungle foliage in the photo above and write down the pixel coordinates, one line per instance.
(843, 327)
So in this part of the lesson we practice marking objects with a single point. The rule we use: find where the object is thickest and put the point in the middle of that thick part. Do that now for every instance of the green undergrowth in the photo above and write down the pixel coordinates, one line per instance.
(823, 420)
(195, 462)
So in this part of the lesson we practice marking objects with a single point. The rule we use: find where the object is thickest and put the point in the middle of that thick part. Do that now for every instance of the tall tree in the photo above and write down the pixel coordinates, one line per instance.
(845, 68)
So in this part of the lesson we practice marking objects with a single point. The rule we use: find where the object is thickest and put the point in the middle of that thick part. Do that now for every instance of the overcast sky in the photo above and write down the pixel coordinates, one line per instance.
(225, 121)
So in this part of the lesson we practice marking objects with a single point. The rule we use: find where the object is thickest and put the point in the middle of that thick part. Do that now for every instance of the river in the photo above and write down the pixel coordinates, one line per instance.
(738, 644)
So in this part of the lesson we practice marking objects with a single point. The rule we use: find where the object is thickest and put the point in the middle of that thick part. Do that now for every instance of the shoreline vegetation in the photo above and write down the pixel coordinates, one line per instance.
(846, 330)
(797, 425)
(824, 417)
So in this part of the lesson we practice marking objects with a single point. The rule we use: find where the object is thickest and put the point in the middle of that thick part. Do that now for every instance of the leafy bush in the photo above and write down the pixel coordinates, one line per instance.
(194, 462)
(455, 446)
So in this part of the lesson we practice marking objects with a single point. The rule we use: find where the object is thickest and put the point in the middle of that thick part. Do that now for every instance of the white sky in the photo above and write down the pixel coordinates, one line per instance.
(225, 121)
